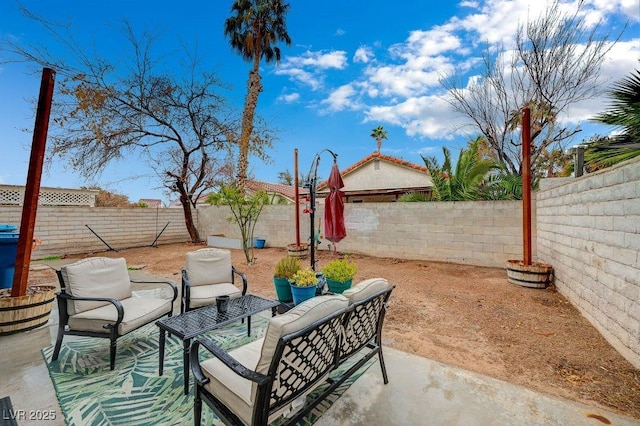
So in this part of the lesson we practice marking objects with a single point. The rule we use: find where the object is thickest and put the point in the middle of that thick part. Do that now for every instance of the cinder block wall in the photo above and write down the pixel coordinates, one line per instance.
(589, 231)
(63, 231)
(486, 233)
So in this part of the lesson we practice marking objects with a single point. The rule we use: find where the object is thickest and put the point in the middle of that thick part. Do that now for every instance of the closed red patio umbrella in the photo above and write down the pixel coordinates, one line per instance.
(334, 229)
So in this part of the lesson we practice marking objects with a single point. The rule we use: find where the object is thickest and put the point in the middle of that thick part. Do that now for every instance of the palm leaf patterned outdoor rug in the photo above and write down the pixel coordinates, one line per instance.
(133, 393)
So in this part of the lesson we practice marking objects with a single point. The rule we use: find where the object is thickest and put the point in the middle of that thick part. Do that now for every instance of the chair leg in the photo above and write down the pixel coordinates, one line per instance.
(112, 354)
(382, 366)
(56, 350)
(197, 407)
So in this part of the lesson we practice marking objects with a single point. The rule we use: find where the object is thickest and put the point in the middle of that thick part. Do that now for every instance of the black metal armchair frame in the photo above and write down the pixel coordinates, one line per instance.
(186, 287)
(63, 297)
(325, 345)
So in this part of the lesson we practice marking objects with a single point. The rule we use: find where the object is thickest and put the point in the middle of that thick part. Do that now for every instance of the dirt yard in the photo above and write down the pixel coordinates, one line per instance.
(466, 316)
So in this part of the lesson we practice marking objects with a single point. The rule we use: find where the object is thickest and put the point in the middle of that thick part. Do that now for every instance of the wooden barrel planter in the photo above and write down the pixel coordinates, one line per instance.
(298, 251)
(536, 275)
(25, 312)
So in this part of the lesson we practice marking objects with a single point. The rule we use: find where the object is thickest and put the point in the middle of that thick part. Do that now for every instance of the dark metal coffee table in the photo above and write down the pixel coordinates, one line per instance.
(198, 321)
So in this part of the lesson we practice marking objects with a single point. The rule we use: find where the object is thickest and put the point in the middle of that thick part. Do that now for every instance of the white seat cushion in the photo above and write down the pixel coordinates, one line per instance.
(96, 277)
(208, 266)
(234, 391)
(204, 295)
(365, 289)
(227, 386)
(137, 312)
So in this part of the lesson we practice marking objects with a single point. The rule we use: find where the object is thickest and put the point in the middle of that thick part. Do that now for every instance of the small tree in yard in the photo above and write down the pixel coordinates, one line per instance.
(245, 210)
(181, 126)
(555, 63)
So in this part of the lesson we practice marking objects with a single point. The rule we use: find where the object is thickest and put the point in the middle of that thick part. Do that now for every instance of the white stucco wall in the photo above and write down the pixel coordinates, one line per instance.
(389, 175)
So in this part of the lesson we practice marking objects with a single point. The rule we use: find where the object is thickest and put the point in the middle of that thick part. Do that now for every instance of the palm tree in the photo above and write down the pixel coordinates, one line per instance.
(625, 115)
(463, 183)
(378, 134)
(253, 30)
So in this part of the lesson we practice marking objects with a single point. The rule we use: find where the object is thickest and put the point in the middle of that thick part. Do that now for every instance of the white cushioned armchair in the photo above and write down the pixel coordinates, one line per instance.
(96, 300)
(208, 273)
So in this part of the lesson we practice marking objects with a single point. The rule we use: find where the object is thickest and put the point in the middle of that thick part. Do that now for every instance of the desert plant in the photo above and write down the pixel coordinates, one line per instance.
(304, 278)
(340, 270)
(286, 267)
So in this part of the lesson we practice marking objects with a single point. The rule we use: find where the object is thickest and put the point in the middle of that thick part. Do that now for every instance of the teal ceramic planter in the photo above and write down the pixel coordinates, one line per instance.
(337, 287)
(283, 289)
(300, 294)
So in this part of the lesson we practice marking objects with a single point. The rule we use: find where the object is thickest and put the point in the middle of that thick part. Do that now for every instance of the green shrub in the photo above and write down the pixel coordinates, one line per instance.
(410, 197)
(286, 267)
(340, 270)
(304, 278)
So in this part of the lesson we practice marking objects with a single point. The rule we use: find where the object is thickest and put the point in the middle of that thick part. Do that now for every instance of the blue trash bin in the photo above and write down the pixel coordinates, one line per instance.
(8, 250)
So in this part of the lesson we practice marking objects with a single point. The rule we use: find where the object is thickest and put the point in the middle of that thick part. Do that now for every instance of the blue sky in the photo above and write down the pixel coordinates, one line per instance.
(350, 68)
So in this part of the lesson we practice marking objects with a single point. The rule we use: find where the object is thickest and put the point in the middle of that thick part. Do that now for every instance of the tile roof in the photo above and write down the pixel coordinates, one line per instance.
(151, 202)
(284, 190)
(377, 155)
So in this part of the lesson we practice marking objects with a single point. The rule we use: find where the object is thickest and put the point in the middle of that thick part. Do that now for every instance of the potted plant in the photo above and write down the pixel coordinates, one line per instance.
(284, 271)
(303, 285)
(339, 274)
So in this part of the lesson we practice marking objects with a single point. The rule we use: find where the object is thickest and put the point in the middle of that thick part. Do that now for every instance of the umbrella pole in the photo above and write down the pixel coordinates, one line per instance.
(312, 201)
(297, 195)
(311, 184)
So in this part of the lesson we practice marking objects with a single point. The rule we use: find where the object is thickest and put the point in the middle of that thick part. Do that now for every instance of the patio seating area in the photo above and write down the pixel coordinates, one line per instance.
(420, 391)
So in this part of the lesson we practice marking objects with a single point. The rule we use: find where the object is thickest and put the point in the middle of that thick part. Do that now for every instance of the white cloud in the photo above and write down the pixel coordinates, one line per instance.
(335, 59)
(340, 32)
(308, 68)
(425, 116)
(342, 98)
(364, 54)
(290, 98)
(302, 76)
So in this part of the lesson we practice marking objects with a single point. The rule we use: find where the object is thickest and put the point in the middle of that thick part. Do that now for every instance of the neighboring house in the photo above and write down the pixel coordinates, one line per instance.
(152, 203)
(381, 178)
(201, 201)
(278, 193)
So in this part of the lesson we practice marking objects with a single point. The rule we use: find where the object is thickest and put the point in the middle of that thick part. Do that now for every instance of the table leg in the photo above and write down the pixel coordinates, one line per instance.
(249, 325)
(185, 362)
(161, 343)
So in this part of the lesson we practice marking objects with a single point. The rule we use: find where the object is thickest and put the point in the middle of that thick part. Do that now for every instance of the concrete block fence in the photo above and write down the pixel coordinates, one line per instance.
(589, 231)
(478, 233)
(63, 231)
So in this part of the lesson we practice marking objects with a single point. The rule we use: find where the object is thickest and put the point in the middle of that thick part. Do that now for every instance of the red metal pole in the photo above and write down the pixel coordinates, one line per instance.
(297, 195)
(526, 185)
(32, 189)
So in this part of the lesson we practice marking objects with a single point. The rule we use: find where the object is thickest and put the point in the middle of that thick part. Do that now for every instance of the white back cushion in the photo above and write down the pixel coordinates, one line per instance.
(208, 266)
(294, 320)
(96, 277)
(365, 289)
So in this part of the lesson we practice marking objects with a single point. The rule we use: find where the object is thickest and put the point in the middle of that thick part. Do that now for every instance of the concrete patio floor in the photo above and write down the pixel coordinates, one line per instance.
(420, 392)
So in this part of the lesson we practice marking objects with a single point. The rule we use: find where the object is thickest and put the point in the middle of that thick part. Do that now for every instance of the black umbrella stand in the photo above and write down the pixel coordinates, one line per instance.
(311, 182)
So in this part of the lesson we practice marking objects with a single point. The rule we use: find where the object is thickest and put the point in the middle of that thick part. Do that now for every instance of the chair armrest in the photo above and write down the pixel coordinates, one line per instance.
(114, 302)
(244, 279)
(169, 283)
(223, 356)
